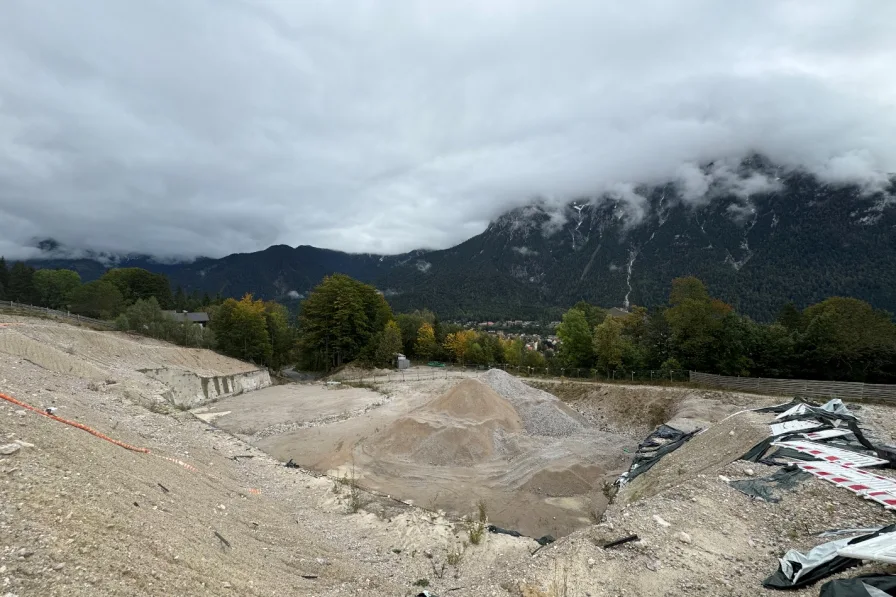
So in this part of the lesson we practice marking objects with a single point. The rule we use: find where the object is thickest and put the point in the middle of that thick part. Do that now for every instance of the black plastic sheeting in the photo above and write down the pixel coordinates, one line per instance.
(858, 586)
(826, 419)
(822, 568)
(781, 408)
(768, 488)
(545, 540)
(664, 440)
(499, 531)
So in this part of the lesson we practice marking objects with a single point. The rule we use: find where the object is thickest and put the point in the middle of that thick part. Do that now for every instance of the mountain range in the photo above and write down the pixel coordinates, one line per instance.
(759, 236)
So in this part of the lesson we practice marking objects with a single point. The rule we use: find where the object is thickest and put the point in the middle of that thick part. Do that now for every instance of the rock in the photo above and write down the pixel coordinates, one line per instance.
(653, 565)
(684, 537)
(590, 562)
(8, 449)
(59, 566)
(749, 472)
(225, 584)
(659, 520)
(24, 444)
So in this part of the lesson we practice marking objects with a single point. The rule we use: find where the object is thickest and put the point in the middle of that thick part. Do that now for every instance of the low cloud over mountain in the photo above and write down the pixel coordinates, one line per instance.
(208, 127)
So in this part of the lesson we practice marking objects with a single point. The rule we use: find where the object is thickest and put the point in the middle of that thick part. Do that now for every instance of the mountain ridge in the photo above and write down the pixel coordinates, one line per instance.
(758, 235)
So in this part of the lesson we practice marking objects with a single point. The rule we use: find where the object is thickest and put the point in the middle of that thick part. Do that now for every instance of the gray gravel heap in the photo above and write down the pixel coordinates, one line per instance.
(541, 413)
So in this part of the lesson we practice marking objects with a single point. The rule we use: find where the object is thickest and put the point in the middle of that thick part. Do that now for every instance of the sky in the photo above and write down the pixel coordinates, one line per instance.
(208, 127)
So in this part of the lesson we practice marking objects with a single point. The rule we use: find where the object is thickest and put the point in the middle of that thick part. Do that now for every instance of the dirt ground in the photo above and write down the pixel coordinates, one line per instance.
(82, 516)
(536, 485)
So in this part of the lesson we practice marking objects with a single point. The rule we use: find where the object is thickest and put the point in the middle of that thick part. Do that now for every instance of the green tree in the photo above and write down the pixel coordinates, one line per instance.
(97, 299)
(476, 354)
(534, 359)
(514, 351)
(389, 344)
(146, 317)
(282, 334)
(697, 323)
(609, 345)
(241, 330)
(4, 280)
(426, 345)
(338, 320)
(21, 284)
(577, 348)
(846, 338)
(54, 286)
(180, 300)
(594, 315)
(136, 283)
(410, 323)
(790, 318)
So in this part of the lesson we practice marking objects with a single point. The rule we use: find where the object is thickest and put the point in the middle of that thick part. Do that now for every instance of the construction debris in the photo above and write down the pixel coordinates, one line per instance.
(799, 570)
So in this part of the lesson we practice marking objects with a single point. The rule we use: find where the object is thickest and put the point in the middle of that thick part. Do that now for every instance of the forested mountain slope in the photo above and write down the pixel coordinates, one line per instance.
(757, 235)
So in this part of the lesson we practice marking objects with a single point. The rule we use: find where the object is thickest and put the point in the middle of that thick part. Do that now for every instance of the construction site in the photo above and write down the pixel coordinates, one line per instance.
(130, 466)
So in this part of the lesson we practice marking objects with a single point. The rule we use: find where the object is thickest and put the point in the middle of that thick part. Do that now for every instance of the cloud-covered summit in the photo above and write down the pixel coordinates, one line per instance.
(215, 126)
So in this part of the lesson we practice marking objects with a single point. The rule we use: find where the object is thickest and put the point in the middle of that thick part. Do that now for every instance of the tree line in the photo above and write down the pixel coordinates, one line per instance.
(136, 300)
(836, 339)
(343, 320)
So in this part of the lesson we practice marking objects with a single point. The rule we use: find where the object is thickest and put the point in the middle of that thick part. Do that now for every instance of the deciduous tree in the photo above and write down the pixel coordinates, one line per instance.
(241, 330)
(97, 299)
(426, 345)
(54, 286)
(576, 349)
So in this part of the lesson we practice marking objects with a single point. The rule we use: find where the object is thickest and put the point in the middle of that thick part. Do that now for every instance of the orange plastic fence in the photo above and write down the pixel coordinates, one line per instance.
(74, 424)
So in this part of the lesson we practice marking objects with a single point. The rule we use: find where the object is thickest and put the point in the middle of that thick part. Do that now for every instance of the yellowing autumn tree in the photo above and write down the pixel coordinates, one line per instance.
(426, 345)
(458, 343)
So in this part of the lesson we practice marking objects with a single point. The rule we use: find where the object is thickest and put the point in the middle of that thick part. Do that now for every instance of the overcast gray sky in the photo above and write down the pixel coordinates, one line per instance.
(180, 128)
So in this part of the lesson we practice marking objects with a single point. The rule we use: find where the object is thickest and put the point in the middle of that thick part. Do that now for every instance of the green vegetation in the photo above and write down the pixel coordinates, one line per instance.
(342, 320)
(839, 338)
(146, 317)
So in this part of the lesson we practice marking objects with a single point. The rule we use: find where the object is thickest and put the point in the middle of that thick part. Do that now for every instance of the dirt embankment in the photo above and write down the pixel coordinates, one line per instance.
(637, 410)
(152, 372)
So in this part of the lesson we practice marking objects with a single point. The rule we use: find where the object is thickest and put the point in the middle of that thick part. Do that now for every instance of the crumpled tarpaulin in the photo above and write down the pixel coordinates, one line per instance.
(868, 585)
(780, 408)
(766, 488)
(798, 570)
(664, 440)
(499, 531)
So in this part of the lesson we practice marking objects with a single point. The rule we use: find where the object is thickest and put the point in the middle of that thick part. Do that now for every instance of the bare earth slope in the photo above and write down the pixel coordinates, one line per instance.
(205, 513)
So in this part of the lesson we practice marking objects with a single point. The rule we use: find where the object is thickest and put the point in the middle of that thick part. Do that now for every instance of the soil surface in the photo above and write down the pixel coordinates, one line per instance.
(206, 513)
(445, 444)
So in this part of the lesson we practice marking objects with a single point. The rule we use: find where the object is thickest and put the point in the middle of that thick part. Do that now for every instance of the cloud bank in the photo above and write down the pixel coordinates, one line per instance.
(215, 126)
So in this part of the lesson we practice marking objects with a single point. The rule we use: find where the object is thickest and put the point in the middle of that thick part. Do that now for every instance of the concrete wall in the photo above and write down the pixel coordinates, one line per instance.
(189, 390)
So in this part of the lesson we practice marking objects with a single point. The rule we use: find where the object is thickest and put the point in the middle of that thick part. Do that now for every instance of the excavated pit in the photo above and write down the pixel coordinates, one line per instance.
(542, 465)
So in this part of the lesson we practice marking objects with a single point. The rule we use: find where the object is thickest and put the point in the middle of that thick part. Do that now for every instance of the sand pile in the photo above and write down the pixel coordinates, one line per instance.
(542, 413)
(463, 427)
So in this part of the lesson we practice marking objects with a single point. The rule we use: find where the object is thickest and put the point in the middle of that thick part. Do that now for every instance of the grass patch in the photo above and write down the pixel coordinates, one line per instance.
(476, 526)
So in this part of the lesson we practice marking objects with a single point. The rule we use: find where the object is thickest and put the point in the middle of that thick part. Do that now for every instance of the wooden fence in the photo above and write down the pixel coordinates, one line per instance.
(58, 314)
(846, 390)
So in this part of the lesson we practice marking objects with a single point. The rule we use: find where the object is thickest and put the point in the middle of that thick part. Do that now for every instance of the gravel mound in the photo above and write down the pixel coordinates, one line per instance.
(463, 427)
(541, 413)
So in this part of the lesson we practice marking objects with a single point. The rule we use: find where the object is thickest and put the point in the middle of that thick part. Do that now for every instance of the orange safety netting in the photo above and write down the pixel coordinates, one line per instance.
(75, 424)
